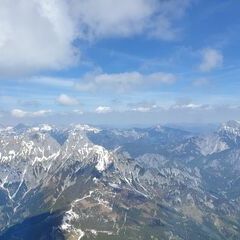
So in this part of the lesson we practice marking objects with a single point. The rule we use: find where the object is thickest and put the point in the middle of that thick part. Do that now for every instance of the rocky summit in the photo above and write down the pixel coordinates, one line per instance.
(83, 182)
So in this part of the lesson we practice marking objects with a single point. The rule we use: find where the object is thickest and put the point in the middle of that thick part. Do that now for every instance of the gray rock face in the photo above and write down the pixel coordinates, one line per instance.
(155, 183)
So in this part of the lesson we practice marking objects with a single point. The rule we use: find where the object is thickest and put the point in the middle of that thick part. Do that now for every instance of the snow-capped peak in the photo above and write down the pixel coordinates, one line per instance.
(87, 128)
(159, 128)
(45, 127)
(232, 127)
(41, 128)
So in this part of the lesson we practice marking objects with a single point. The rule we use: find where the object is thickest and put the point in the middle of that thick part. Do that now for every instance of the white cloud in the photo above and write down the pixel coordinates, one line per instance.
(106, 81)
(35, 35)
(103, 18)
(200, 82)
(144, 106)
(40, 35)
(187, 106)
(123, 81)
(18, 113)
(103, 109)
(142, 109)
(52, 81)
(66, 100)
(179, 106)
(211, 59)
(162, 26)
(39, 113)
(77, 111)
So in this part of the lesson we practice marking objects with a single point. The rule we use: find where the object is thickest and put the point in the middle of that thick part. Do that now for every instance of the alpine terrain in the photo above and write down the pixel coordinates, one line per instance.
(84, 182)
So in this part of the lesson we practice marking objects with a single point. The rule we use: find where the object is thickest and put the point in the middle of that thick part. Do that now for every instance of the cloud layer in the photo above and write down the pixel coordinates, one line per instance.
(123, 81)
(18, 113)
(41, 35)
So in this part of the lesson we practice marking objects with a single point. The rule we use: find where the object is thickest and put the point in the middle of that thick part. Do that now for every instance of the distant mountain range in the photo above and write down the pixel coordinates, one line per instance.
(84, 182)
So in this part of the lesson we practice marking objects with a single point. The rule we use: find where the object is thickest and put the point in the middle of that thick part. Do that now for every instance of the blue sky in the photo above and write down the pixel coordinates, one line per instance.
(119, 63)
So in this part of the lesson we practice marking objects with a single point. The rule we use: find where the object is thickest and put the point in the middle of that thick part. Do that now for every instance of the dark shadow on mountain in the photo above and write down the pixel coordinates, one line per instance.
(41, 227)
(60, 136)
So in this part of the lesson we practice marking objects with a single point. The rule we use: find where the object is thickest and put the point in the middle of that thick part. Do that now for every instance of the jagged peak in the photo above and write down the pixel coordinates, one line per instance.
(46, 127)
(158, 128)
(20, 127)
(86, 127)
(230, 126)
(42, 127)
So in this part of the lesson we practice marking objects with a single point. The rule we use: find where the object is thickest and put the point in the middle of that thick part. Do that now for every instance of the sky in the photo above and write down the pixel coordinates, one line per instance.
(128, 62)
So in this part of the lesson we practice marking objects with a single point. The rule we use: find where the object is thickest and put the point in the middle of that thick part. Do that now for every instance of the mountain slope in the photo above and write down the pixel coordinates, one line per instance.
(90, 183)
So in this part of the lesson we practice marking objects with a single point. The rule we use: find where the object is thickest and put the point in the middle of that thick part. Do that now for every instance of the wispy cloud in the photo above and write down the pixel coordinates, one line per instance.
(29, 103)
(116, 82)
(78, 111)
(143, 106)
(200, 82)
(192, 106)
(126, 18)
(103, 109)
(124, 81)
(51, 81)
(211, 59)
(18, 113)
(66, 100)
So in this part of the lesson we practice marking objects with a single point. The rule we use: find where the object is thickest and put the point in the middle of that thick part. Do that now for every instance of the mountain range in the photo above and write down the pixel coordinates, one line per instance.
(84, 182)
